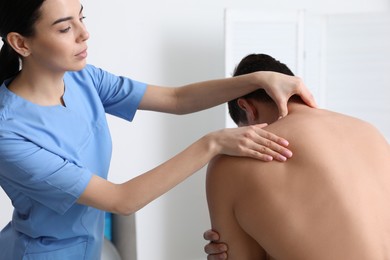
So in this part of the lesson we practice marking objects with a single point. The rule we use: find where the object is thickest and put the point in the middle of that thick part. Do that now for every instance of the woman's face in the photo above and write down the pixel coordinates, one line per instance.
(59, 42)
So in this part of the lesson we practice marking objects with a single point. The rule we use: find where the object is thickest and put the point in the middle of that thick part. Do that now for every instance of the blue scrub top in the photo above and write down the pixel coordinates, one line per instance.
(47, 157)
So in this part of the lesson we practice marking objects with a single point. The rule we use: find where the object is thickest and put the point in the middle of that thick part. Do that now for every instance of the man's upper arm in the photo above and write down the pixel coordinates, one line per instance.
(223, 187)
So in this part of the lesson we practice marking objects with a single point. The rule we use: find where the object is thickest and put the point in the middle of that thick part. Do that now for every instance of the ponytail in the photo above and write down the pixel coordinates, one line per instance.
(9, 62)
(18, 16)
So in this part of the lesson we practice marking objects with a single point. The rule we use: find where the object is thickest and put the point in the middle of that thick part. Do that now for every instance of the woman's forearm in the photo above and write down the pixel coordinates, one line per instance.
(202, 95)
(128, 197)
(143, 189)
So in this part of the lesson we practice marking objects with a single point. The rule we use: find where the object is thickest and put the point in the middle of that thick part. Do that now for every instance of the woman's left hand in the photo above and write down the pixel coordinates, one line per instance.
(251, 141)
(280, 87)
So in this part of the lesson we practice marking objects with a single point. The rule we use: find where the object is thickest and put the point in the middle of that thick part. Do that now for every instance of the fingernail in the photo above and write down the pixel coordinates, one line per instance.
(288, 153)
(282, 158)
(284, 142)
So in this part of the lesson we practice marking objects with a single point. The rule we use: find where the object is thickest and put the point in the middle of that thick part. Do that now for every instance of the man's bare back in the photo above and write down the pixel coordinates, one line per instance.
(329, 201)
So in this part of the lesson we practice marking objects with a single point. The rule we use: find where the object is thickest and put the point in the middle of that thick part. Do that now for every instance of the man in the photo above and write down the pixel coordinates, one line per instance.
(330, 201)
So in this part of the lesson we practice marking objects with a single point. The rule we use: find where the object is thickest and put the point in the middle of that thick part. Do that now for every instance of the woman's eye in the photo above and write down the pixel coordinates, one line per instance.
(65, 30)
(82, 18)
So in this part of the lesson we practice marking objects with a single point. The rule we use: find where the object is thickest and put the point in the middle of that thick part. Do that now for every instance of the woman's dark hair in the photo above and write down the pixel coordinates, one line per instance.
(249, 64)
(17, 16)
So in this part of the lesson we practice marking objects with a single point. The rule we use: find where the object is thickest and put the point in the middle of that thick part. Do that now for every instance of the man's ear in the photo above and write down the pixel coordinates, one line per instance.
(249, 108)
(18, 43)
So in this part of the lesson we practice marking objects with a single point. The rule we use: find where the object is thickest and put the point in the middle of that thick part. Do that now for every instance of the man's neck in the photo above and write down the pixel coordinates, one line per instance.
(295, 105)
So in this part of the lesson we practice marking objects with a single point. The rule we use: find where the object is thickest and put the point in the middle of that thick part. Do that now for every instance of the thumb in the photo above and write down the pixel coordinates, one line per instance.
(308, 98)
(283, 110)
(262, 125)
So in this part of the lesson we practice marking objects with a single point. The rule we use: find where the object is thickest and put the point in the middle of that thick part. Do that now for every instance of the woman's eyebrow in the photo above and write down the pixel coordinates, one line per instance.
(67, 18)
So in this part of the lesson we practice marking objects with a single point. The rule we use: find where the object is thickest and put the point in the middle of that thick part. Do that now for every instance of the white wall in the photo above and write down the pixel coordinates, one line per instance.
(171, 42)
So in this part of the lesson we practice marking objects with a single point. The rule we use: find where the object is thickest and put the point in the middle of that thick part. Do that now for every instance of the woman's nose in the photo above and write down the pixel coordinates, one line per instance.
(83, 33)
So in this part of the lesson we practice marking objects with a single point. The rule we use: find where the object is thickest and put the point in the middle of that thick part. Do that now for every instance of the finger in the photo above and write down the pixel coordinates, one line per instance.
(308, 98)
(305, 94)
(265, 151)
(262, 125)
(282, 108)
(217, 257)
(280, 100)
(270, 136)
(274, 149)
(215, 248)
(211, 235)
(255, 154)
(266, 143)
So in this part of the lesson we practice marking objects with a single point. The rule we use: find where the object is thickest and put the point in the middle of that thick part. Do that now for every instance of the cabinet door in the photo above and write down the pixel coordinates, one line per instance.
(358, 67)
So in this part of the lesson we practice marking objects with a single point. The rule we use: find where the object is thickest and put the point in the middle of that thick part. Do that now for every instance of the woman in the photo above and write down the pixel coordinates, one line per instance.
(55, 146)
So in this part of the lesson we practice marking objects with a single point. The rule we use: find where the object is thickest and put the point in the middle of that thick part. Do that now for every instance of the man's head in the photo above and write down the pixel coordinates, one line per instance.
(252, 63)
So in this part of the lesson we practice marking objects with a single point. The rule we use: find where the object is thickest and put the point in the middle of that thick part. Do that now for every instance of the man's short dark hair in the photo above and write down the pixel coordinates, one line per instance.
(249, 64)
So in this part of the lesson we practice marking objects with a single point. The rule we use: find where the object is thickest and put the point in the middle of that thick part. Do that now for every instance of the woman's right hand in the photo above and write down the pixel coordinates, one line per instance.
(280, 87)
(251, 141)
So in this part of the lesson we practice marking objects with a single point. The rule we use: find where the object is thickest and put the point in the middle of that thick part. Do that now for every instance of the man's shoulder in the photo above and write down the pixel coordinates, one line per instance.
(232, 168)
(228, 162)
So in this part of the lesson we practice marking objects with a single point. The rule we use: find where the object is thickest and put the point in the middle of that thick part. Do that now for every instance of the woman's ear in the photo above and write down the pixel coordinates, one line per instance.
(249, 108)
(18, 43)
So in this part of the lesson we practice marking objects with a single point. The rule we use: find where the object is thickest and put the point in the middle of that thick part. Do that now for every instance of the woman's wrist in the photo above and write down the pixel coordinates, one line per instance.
(211, 142)
(261, 79)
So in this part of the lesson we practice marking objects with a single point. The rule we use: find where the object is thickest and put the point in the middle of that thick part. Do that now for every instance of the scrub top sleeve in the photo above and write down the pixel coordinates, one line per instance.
(120, 96)
(41, 175)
